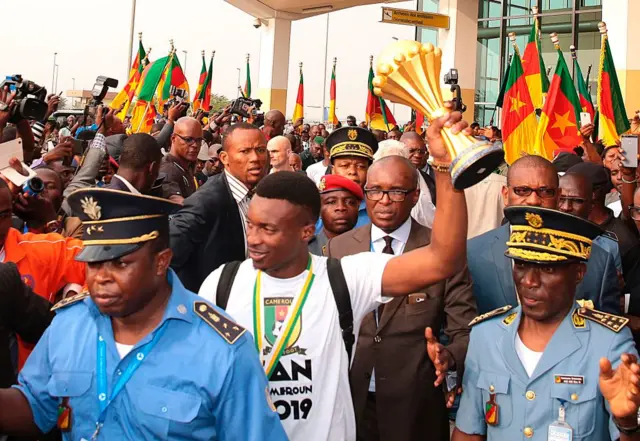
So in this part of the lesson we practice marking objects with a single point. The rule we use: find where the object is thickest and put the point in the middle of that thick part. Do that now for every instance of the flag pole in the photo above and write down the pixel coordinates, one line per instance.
(370, 67)
(333, 73)
(133, 21)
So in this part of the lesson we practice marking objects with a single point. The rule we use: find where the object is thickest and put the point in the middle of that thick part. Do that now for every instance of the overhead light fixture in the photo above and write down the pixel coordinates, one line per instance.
(318, 9)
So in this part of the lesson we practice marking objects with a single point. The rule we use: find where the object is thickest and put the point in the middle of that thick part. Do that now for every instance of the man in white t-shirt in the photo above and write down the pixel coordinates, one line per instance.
(316, 171)
(283, 288)
(279, 148)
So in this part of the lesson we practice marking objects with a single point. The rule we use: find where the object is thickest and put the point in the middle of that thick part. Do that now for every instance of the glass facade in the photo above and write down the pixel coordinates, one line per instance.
(575, 22)
(426, 35)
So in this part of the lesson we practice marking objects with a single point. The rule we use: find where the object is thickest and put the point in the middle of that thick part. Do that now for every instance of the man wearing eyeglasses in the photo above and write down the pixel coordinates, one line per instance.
(178, 165)
(424, 210)
(532, 181)
(381, 371)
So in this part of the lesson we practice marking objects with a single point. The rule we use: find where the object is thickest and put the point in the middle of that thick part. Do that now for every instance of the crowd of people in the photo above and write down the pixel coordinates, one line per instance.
(255, 278)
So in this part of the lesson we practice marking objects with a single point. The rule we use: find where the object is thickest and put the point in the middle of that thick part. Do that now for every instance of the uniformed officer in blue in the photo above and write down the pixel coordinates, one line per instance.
(138, 357)
(543, 370)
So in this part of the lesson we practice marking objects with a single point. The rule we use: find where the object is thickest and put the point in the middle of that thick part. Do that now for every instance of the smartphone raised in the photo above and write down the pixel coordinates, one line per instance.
(585, 119)
(629, 146)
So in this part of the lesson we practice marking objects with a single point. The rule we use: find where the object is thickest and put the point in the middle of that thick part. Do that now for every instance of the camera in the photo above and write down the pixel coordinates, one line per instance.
(242, 106)
(177, 96)
(451, 78)
(29, 99)
(257, 23)
(98, 93)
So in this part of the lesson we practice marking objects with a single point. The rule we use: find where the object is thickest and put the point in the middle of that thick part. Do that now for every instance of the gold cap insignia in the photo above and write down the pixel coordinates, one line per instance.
(322, 185)
(352, 134)
(535, 220)
(91, 208)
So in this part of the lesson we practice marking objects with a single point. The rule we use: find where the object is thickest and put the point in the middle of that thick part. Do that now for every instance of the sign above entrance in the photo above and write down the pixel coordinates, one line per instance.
(414, 18)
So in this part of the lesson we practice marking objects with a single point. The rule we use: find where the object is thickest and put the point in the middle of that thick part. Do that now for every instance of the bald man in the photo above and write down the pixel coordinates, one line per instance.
(180, 182)
(279, 149)
(274, 121)
(425, 209)
(295, 162)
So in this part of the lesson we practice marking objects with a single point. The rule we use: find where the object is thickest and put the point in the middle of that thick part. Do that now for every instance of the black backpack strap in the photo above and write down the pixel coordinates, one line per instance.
(225, 283)
(343, 302)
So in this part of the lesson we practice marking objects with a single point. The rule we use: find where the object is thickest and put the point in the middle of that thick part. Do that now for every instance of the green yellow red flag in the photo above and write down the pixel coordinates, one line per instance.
(586, 104)
(333, 119)
(558, 127)
(145, 110)
(206, 90)
(613, 120)
(298, 111)
(533, 65)
(124, 98)
(172, 76)
(377, 114)
(197, 98)
(518, 114)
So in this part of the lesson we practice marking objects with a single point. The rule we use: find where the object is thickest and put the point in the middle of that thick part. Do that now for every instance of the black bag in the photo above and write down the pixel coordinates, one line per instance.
(338, 287)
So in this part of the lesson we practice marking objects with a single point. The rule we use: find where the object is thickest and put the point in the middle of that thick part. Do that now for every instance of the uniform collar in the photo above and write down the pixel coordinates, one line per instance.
(401, 234)
(127, 184)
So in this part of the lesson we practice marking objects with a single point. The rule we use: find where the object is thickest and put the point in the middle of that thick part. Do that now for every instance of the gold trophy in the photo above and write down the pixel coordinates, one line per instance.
(409, 73)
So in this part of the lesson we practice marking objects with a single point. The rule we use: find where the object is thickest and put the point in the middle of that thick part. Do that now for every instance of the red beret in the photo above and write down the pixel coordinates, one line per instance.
(330, 183)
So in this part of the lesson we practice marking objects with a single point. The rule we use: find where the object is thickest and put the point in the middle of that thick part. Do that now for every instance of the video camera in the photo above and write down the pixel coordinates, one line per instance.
(242, 106)
(30, 99)
(98, 93)
(451, 78)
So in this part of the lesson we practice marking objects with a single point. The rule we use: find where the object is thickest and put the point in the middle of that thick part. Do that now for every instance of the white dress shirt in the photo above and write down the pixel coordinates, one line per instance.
(127, 184)
(424, 211)
(400, 238)
(239, 192)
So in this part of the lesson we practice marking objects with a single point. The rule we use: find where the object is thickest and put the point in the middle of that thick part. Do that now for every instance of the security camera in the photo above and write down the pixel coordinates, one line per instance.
(257, 23)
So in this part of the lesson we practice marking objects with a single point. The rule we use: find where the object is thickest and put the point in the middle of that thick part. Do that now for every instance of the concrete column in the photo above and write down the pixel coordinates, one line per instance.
(274, 64)
(624, 33)
(458, 44)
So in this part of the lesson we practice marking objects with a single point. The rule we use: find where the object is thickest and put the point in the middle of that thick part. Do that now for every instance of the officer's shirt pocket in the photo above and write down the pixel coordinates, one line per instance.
(497, 384)
(580, 401)
(167, 412)
(76, 387)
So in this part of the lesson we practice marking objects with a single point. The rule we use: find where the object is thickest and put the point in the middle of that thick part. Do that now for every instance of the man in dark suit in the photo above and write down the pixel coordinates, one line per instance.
(139, 165)
(532, 181)
(424, 210)
(390, 359)
(210, 229)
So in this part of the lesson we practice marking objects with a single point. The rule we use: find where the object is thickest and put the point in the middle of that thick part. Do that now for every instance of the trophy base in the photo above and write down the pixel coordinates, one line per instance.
(474, 164)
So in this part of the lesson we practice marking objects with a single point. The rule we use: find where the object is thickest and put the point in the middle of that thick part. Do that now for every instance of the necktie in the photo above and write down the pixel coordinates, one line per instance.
(388, 240)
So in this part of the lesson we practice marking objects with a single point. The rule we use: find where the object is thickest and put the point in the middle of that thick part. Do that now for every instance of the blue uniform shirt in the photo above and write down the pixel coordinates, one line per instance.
(363, 218)
(530, 405)
(193, 385)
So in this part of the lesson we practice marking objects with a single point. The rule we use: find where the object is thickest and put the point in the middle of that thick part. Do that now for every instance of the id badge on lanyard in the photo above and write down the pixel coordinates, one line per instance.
(560, 430)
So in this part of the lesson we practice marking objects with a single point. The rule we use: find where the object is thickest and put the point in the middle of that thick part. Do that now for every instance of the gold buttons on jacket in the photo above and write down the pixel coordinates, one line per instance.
(574, 397)
(531, 395)
(492, 389)
(528, 432)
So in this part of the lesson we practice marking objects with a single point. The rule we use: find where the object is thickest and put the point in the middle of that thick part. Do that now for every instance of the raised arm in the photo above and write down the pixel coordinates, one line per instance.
(446, 254)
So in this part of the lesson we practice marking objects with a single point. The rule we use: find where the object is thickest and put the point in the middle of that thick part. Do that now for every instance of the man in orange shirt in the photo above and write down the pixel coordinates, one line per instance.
(46, 262)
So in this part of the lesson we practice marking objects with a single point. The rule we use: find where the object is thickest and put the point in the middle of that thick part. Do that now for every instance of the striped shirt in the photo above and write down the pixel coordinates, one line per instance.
(240, 194)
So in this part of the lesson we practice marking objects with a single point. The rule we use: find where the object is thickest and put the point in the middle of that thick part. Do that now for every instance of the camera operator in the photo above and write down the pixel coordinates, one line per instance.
(39, 128)
(23, 128)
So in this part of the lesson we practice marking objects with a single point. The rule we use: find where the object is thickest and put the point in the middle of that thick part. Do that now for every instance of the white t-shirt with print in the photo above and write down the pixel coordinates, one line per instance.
(310, 384)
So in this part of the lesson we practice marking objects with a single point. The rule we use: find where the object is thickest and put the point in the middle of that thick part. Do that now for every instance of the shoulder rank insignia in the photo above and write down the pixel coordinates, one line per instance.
(613, 322)
(227, 329)
(70, 300)
(490, 314)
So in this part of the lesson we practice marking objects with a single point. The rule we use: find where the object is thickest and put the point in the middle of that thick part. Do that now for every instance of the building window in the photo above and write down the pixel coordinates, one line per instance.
(575, 22)
(425, 35)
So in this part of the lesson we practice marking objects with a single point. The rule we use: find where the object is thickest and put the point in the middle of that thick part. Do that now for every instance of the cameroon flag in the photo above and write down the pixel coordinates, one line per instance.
(247, 83)
(197, 98)
(145, 107)
(333, 119)
(172, 76)
(125, 96)
(518, 114)
(586, 105)
(206, 88)
(534, 70)
(613, 116)
(377, 114)
(558, 125)
(298, 111)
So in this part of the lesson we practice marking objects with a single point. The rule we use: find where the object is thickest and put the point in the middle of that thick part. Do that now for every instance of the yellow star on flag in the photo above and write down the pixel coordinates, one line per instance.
(562, 122)
(516, 104)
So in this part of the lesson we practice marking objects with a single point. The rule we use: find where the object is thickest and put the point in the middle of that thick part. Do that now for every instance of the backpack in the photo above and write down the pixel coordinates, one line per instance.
(338, 287)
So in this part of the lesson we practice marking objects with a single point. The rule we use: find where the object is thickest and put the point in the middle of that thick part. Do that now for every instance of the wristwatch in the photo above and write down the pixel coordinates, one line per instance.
(53, 226)
(627, 430)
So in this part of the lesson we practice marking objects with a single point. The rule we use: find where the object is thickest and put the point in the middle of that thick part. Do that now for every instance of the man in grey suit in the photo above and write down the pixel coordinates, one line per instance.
(532, 181)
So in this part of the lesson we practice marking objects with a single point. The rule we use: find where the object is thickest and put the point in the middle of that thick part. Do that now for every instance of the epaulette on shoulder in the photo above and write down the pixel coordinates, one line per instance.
(227, 329)
(70, 300)
(490, 314)
(613, 322)
(611, 235)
